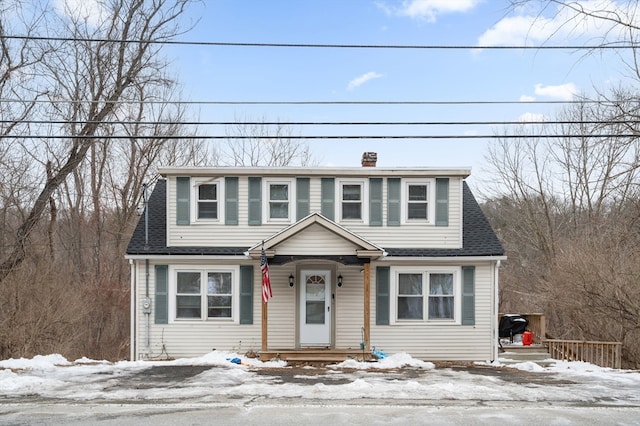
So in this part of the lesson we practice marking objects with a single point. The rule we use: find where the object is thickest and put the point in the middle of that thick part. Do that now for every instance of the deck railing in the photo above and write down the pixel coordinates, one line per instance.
(604, 354)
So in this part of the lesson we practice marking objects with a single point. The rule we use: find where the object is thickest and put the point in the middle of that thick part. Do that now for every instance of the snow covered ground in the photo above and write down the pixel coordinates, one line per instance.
(397, 390)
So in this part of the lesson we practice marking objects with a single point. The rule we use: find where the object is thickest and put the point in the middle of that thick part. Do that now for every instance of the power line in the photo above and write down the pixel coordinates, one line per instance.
(327, 137)
(622, 45)
(327, 123)
(201, 102)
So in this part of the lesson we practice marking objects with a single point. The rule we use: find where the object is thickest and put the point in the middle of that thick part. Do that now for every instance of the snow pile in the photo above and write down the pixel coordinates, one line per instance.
(394, 361)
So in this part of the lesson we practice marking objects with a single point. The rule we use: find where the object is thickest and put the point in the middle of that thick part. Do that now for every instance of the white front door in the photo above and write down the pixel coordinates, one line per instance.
(315, 308)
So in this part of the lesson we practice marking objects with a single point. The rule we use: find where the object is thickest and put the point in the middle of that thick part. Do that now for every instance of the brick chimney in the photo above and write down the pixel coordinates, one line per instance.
(369, 159)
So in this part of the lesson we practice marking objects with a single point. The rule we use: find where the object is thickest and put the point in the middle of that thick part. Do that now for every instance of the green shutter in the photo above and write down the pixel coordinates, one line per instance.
(162, 294)
(255, 201)
(246, 294)
(328, 197)
(442, 202)
(183, 192)
(303, 198)
(231, 201)
(468, 295)
(375, 201)
(393, 202)
(382, 295)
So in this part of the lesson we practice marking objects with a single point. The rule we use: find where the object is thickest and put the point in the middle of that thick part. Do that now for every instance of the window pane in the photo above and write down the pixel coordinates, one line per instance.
(279, 210)
(351, 193)
(219, 306)
(351, 211)
(410, 284)
(279, 192)
(315, 312)
(440, 307)
(219, 283)
(188, 306)
(417, 193)
(207, 192)
(410, 308)
(207, 210)
(441, 284)
(417, 211)
(189, 282)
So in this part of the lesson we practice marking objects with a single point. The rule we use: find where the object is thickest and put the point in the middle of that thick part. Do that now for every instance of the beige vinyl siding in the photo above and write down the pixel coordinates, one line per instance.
(349, 309)
(309, 240)
(452, 342)
(281, 309)
(191, 339)
(243, 235)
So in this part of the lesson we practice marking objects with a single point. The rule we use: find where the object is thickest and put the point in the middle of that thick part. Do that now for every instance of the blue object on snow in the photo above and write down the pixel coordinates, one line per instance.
(378, 354)
(234, 360)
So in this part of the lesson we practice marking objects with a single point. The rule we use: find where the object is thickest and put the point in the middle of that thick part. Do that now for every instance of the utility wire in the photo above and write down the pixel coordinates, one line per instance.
(622, 45)
(327, 123)
(328, 137)
(200, 102)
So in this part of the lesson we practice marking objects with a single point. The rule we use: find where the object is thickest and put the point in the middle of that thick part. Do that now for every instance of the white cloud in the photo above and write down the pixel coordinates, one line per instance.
(429, 9)
(359, 81)
(565, 92)
(531, 117)
(527, 98)
(90, 11)
(562, 24)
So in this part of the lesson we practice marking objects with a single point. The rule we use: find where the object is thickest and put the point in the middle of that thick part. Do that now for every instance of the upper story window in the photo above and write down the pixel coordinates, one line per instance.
(205, 294)
(277, 201)
(419, 203)
(208, 201)
(351, 200)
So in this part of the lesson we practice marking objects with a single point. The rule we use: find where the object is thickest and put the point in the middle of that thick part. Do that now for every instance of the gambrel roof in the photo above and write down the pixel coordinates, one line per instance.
(479, 239)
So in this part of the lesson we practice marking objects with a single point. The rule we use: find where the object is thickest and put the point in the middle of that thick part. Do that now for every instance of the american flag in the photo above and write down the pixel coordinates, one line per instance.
(266, 281)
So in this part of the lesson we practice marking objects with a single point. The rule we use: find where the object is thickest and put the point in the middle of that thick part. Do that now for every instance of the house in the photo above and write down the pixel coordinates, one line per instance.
(400, 259)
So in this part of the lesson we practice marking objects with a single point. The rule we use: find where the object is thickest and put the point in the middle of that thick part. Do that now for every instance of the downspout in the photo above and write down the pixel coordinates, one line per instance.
(132, 314)
(147, 301)
(494, 316)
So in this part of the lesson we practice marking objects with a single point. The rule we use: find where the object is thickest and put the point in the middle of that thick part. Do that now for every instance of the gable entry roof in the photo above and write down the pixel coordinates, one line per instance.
(478, 237)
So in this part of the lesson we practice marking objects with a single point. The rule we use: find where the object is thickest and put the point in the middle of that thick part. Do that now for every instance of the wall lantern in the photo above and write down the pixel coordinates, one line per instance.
(291, 280)
(340, 280)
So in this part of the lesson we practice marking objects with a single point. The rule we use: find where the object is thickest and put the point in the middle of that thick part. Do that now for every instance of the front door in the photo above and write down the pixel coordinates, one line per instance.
(315, 308)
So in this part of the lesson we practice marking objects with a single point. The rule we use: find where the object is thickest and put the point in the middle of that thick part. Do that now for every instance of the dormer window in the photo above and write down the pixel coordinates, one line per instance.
(418, 202)
(351, 194)
(208, 201)
(278, 201)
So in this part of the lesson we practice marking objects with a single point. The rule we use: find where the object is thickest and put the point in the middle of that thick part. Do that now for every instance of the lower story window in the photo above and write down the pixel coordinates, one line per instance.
(426, 295)
(193, 300)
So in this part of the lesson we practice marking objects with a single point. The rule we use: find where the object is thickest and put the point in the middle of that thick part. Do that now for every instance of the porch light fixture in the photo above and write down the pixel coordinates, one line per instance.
(290, 280)
(340, 280)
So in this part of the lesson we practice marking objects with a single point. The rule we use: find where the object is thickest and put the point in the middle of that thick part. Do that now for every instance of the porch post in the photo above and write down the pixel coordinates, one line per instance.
(367, 305)
(264, 326)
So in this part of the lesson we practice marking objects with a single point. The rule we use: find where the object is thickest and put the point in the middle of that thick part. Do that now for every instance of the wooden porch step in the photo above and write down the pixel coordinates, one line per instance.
(313, 355)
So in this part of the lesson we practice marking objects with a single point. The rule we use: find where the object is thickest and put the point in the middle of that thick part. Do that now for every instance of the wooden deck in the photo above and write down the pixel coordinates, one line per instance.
(314, 355)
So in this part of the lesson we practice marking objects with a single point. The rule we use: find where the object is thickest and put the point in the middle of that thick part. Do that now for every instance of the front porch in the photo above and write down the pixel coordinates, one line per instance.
(315, 355)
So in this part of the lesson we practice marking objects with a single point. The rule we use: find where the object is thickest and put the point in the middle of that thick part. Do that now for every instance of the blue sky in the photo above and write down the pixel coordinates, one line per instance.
(223, 73)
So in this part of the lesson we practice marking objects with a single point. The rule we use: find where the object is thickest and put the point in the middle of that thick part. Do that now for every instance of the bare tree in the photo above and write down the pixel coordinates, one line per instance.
(100, 69)
(259, 143)
(568, 216)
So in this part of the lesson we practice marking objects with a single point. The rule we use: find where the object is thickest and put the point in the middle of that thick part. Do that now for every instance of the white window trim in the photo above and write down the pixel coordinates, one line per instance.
(364, 183)
(431, 200)
(235, 288)
(195, 182)
(265, 199)
(425, 271)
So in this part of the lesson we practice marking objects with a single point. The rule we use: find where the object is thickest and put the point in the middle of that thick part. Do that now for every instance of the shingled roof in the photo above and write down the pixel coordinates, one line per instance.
(477, 235)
